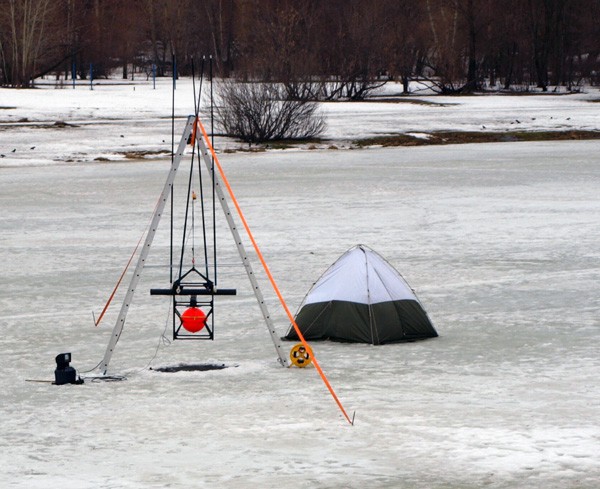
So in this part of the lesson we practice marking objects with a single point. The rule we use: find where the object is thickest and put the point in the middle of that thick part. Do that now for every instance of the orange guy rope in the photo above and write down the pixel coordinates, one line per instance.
(268, 272)
(119, 281)
(112, 295)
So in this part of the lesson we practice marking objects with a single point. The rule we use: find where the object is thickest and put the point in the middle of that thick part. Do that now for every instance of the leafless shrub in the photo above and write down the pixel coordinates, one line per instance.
(352, 87)
(258, 112)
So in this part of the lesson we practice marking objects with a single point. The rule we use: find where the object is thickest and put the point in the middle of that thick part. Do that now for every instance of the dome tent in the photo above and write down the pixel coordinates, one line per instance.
(362, 298)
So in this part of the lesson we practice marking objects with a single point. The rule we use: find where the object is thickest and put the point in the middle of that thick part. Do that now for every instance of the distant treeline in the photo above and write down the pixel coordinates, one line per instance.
(319, 49)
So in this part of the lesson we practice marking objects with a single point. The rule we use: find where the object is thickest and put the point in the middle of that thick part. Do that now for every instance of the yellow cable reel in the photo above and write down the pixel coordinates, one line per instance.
(300, 355)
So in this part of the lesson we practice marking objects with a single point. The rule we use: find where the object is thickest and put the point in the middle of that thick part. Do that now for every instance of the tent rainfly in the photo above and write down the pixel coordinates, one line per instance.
(361, 298)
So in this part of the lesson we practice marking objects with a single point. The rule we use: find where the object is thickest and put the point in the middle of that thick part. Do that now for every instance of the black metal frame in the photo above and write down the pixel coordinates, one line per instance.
(185, 294)
(184, 301)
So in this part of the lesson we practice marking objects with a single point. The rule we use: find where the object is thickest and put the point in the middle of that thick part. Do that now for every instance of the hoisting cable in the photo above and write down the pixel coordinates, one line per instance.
(185, 220)
(193, 230)
(171, 247)
(197, 104)
(189, 191)
(212, 171)
(193, 195)
(268, 272)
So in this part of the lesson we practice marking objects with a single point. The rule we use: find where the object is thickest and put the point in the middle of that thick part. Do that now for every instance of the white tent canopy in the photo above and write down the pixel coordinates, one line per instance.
(362, 298)
(363, 276)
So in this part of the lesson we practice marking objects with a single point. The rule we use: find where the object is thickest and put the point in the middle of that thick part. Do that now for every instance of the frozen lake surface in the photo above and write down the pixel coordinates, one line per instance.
(500, 242)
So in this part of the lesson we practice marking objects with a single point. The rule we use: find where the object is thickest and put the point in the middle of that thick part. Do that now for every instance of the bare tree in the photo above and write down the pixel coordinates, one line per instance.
(506, 46)
(258, 112)
(444, 59)
(551, 34)
(318, 50)
(221, 16)
(407, 39)
(24, 39)
(360, 55)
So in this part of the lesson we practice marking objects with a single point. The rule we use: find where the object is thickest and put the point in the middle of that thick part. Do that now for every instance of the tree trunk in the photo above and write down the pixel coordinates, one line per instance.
(472, 82)
(26, 23)
(405, 84)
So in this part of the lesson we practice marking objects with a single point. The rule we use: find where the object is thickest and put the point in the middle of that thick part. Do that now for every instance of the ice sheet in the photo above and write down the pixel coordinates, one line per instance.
(500, 242)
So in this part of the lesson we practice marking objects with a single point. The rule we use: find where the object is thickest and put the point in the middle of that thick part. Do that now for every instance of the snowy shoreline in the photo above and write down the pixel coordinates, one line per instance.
(48, 126)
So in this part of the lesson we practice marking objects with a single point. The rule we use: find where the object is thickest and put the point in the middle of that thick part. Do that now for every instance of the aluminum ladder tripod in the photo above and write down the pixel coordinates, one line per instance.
(160, 207)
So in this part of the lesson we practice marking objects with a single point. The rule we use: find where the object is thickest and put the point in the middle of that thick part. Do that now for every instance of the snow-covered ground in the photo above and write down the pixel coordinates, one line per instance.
(500, 242)
(115, 119)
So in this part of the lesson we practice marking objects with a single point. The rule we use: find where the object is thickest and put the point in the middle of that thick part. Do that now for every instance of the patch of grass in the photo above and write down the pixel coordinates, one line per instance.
(275, 144)
(392, 140)
(248, 149)
(280, 145)
(62, 124)
(459, 137)
(25, 122)
(289, 143)
(142, 154)
(245, 149)
(405, 100)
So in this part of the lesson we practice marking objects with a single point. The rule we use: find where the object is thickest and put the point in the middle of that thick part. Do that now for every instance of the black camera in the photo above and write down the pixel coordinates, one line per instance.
(64, 373)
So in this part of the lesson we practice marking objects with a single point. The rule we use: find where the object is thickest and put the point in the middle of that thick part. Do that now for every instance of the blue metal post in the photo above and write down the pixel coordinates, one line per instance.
(91, 76)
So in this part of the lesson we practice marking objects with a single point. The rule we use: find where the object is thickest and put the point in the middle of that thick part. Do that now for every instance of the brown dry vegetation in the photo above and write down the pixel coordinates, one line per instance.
(462, 137)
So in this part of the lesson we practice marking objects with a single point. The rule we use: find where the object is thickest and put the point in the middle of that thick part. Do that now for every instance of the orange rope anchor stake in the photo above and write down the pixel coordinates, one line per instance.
(268, 272)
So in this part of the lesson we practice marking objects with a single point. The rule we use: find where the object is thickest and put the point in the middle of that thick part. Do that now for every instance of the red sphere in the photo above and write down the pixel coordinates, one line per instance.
(193, 319)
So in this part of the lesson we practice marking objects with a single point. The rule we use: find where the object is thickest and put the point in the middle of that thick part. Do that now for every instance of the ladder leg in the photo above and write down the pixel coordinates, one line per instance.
(206, 156)
(160, 206)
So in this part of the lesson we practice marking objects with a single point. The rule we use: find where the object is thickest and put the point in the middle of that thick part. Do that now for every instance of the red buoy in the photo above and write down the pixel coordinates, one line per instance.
(193, 319)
